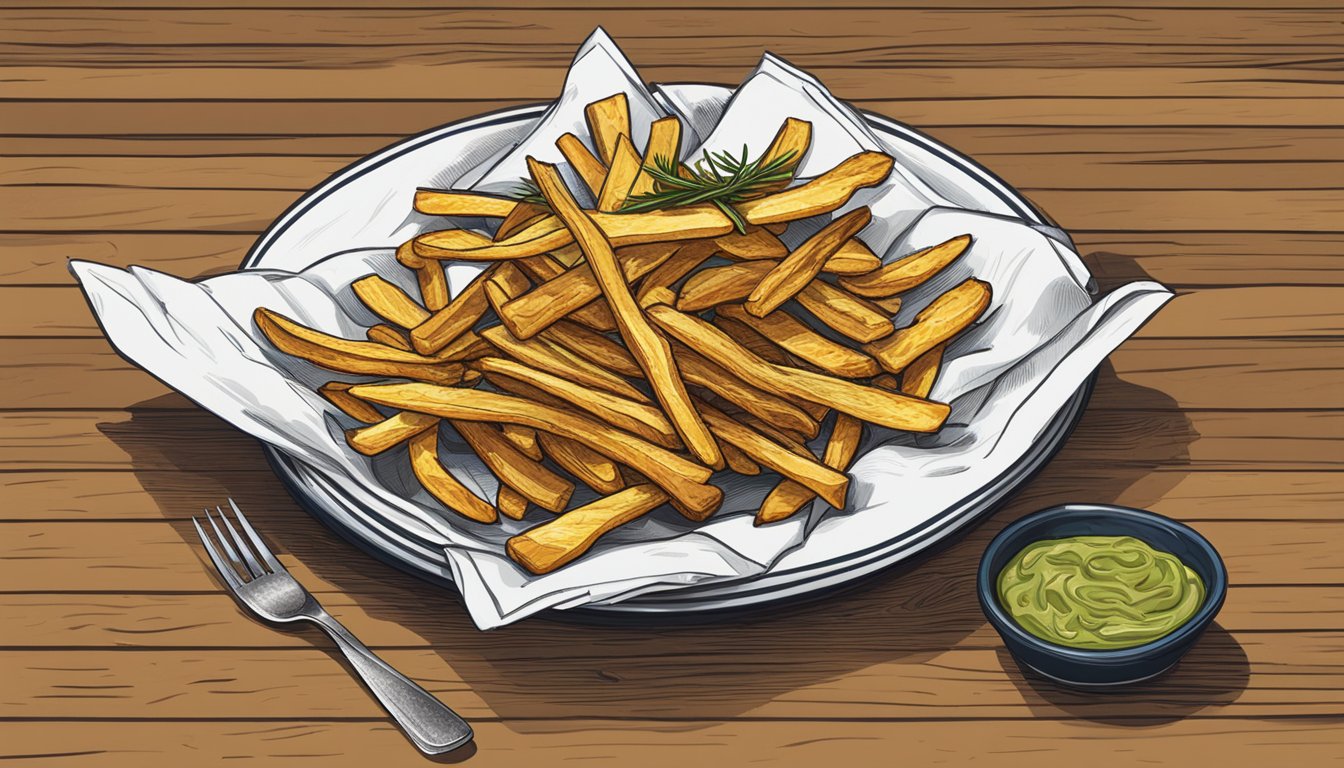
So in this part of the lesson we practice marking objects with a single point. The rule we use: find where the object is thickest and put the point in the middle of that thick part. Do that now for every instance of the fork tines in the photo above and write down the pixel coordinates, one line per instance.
(242, 558)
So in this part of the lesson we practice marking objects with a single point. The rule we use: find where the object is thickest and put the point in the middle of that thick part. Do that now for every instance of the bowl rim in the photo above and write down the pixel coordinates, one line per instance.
(1215, 590)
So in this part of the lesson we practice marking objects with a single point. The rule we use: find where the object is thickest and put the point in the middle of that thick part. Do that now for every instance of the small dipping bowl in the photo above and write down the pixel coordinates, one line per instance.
(1085, 668)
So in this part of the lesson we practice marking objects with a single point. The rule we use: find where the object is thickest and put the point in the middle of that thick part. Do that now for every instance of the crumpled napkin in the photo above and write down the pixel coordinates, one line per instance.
(1005, 378)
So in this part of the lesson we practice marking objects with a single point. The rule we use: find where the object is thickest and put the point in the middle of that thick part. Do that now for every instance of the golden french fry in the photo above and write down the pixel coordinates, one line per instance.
(637, 418)
(524, 439)
(521, 217)
(511, 503)
(917, 378)
(751, 339)
(760, 403)
(608, 120)
(656, 294)
(389, 302)
(592, 468)
(798, 268)
(557, 542)
(448, 202)
(542, 236)
(447, 324)
(468, 346)
(943, 318)
(687, 258)
(788, 497)
(887, 381)
(721, 285)
(597, 348)
(589, 168)
(386, 334)
(853, 258)
(424, 453)
(889, 304)
(388, 433)
(908, 272)
(821, 195)
(538, 484)
(541, 268)
(625, 167)
(887, 409)
(503, 286)
(691, 222)
(338, 394)
(845, 313)
(796, 338)
(792, 139)
(558, 361)
(406, 256)
(757, 243)
(433, 285)
(347, 356)
(738, 461)
(664, 142)
(683, 479)
(650, 349)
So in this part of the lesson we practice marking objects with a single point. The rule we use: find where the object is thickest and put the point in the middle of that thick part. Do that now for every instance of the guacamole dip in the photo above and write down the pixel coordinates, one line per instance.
(1098, 592)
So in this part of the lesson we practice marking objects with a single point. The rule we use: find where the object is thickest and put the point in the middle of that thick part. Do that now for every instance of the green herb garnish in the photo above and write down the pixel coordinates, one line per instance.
(527, 191)
(720, 179)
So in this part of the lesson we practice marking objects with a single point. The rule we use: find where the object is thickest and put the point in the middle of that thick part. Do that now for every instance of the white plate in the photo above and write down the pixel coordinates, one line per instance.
(315, 227)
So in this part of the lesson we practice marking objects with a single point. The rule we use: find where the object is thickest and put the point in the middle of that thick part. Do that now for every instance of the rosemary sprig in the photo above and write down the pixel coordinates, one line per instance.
(720, 179)
(527, 191)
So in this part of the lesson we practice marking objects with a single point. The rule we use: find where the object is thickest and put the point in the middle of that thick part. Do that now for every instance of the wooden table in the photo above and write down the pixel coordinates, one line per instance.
(1199, 147)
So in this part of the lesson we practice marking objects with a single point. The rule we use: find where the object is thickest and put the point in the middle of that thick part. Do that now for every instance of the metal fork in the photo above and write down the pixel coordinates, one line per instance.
(270, 592)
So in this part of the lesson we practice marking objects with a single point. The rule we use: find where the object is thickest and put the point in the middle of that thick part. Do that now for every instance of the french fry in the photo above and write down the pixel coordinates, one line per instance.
(721, 285)
(468, 346)
(792, 335)
(798, 268)
(656, 294)
(543, 236)
(433, 285)
(650, 349)
(592, 468)
(664, 142)
(887, 381)
(506, 283)
(447, 324)
(338, 394)
(389, 302)
(853, 258)
(538, 484)
(687, 258)
(386, 334)
(558, 361)
(751, 339)
(595, 347)
(448, 202)
(511, 502)
(943, 318)
(347, 356)
(845, 313)
(541, 268)
(406, 256)
(625, 168)
(683, 479)
(788, 497)
(524, 439)
(608, 120)
(637, 418)
(761, 403)
(589, 168)
(889, 304)
(521, 217)
(918, 377)
(557, 542)
(389, 433)
(793, 139)
(908, 272)
(757, 243)
(691, 222)
(823, 194)
(424, 453)
(738, 461)
(888, 409)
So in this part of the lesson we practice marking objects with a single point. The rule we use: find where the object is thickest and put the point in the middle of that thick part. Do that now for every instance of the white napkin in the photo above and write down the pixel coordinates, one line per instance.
(1005, 378)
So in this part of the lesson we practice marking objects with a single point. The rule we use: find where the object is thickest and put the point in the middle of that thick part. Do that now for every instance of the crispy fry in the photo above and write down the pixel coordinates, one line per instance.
(449, 202)
(650, 349)
(845, 313)
(721, 285)
(406, 256)
(795, 337)
(424, 453)
(788, 497)
(464, 311)
(362, 357)
(542, 236)
(656, 294)
(821, 195)
(388, 433)
(592, 468)
(887, 381)
(761, 403)
(541, 268)
(637, 418)
(853, 258)
(889, 304)
(538, 484)
(511, 503)
(798, 268)
(918, 377)
(386, 334)
(682, 479)
(608, 120)
(524, 439)
(389, 302)
(665, 142)
(943, 318)
(691, 222)
(794, 136)
(687, 258)
(888, 409)
(595, 347)
(757, 243)
(338, 394)
(557, 542)
(625, 167)
(589, 168)
(433, 285)
(521, 217)
(738, 461)
(751, 339)
(468, 346)
(908, 272)
(558, 361)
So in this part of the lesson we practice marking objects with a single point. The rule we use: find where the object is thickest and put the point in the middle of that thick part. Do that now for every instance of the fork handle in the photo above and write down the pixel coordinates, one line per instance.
(427, 721)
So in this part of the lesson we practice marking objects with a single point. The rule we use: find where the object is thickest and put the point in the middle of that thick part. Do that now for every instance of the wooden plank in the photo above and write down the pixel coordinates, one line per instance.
(658, 744)
(1191, 373)
(1252, 675)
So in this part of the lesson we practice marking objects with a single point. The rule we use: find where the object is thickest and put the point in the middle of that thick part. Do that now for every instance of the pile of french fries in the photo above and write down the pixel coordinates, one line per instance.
(641, 353)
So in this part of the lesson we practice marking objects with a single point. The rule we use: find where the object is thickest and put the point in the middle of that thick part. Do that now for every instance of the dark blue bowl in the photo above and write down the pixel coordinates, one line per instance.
(1089, 668)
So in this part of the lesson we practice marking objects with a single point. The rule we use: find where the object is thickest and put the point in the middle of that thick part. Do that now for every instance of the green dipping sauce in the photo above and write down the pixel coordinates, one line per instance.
(1099, 592)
